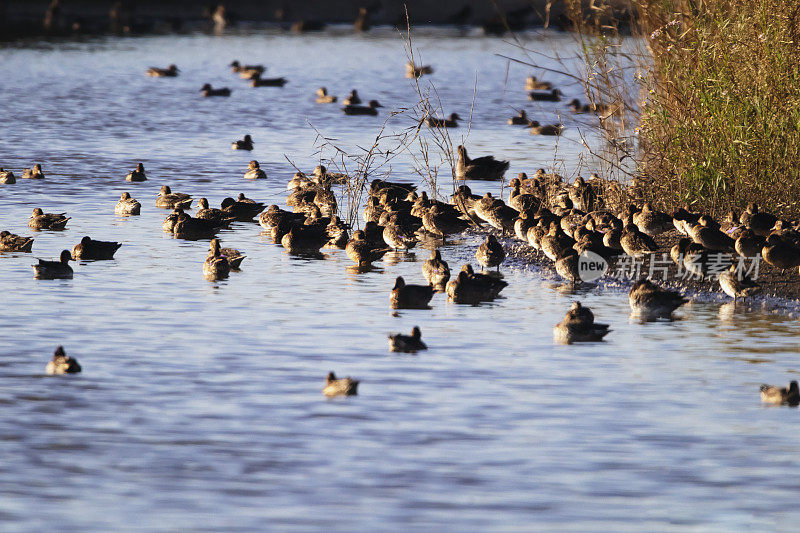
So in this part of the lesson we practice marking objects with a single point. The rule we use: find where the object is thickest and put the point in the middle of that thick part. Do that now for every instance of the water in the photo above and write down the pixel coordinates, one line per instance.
(199, 407)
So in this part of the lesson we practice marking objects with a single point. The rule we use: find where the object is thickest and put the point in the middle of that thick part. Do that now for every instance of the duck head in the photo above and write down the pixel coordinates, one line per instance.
(399, 283)
(125, 196)
(227, 202)
(165, 190)
(206, 87)
(416, 333)
(140, 167)
(86, 240)
(252, 165)
(202, 203)
(454, 116)
(248, 139)
(66, 256)
(374, 103)
(37, 212)
(214, 247)
(234, 64)
(359, 235)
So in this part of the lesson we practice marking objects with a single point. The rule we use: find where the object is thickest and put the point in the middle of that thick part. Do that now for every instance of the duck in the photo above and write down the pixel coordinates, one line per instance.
(340, 387)
(555, 244)
(579, 326)
(684, 220)
(352, 98)
(452, 122)
(302, 239)
(780, 254)
(274, 216)
(215, 267)
(415, 71)
(254, 171)
(89, 248)
(435, 270)
(652, 222)
(781, 395)
(205, 212)
(54, 269)
(52, 221)
(604, 110)
(469, 287)
(567, 267)
(337, 233)
(189, 228)
(34, 173)
(520, 119)
(651, 301)
(243, 210)
(322, 177)
(396, 236)
(635, 243)
(258, 81)
(410, 296)
(323, 97)
(533, 84)
(463, 199)
(169, 72)
(127, 205)
(243, 144)
(547, 129)
(169, 222)
(137, 174)
(61, 363)
(362, 22)
(748, 244)
(169, 200)
(443, 223)
(7, 177)
(481, 168)
(370, 109)
(759, 222)
(10, 242)
(407, 343)
(246, 71)
(490, 253)
(550, 96)
(234, 256)
(736, 284)
(361, 251)
(208, 91)
(707, 233)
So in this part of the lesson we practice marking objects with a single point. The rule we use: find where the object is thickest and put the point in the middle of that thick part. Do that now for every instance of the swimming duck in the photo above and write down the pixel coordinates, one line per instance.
(481, 168)
(551, 96)
(415, 71)
(323, 97)
(207, 91)
(62, 363)
(520, 119)
(352, 98)
(340, 387)
(604, 110)
(780, 254)
(7, 177)
(189, 228)
(242, 210)
(532, 84)
(258, 81)
(127, 205)
(304, 239)
(254, 171)
(634, 242)
(781, 395)
(243, 144)
(435, 122)
(547, 129)
(54, 269)
(407, 343)
(652, 222)
(759, 222)
(52, 221)
(204, 211)
(215, 266)
(579, 326)
(169, 200)
(410, 296)
(137, 174)
(34, 173)
(736, 284)
(707, 233)
(247, 71)
(371, 109)
(470, 287)
(91, 249)
(651, 301)
(274, 216)
(10, 242)
(234, 256)
(490, 253)
(361, 251)
(435, 270)
(169, 72)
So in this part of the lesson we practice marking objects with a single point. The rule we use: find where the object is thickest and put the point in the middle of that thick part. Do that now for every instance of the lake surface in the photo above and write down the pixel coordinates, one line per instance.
(200, 407)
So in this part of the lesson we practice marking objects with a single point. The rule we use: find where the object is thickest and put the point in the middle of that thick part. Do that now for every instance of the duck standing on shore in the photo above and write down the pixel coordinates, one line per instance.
(736, 284)
(436, 270)
(490, 253)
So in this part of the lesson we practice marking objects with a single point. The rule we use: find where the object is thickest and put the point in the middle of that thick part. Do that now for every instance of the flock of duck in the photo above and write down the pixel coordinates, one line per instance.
(560, 221)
